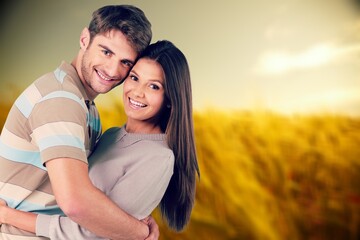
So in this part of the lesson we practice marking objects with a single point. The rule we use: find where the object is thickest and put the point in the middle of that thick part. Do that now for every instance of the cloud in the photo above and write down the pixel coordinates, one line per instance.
(280, 62)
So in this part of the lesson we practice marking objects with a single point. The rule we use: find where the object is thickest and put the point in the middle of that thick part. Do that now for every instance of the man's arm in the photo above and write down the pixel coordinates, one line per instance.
(16, 218)
(26, 221)
(87, 205)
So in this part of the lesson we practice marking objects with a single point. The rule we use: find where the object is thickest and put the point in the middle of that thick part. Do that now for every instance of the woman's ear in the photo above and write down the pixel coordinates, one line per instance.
(84, 38)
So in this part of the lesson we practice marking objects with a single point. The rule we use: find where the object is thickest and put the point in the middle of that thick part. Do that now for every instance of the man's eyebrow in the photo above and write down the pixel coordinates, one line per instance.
(128, 61)
(105, 47)
(123, 60)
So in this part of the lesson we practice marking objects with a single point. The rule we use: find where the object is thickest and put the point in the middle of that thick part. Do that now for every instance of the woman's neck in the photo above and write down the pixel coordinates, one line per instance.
(145, 128)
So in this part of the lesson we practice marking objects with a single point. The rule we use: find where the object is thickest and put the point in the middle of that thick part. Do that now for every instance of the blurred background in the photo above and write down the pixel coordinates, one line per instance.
(276, 92)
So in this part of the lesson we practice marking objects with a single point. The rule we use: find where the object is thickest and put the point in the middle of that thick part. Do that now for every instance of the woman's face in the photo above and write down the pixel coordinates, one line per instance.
(144, 92)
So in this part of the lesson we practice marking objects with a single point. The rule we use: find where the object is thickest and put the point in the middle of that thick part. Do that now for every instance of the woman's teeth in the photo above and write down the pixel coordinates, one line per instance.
(137, 103)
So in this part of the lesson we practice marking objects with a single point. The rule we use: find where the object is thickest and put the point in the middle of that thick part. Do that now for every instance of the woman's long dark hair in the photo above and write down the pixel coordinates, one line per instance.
(177, 123)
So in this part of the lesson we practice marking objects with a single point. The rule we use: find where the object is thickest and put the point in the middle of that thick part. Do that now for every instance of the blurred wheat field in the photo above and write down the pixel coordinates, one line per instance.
(270, 176)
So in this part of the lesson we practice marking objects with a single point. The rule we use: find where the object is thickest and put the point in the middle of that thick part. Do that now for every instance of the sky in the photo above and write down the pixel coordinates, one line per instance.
(288, 56)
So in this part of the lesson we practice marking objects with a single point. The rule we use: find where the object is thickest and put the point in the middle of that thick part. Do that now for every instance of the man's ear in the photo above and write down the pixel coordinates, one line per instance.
(84, 38)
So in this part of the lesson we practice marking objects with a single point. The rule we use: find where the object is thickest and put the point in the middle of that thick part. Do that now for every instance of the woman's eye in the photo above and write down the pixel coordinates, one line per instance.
(155, 87)
(132, 77)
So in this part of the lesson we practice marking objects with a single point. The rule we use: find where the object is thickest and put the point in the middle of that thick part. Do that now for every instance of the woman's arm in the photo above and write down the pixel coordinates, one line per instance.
(17, 218)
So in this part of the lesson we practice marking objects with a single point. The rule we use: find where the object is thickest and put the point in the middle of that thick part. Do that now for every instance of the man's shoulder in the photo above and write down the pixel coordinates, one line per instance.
(52, 90)
(58, 82)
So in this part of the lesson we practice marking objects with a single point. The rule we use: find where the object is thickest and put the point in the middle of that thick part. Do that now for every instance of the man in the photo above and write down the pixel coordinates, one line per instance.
(54, 125)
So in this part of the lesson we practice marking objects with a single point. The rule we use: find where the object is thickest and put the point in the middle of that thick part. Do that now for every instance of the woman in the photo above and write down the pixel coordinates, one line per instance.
(150, 160)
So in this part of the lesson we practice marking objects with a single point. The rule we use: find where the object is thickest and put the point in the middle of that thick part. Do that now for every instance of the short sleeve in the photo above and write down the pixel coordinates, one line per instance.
(58, 125)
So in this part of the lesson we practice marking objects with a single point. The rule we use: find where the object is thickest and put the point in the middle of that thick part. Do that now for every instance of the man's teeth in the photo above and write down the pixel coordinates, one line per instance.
(137, 103)
(103, 76)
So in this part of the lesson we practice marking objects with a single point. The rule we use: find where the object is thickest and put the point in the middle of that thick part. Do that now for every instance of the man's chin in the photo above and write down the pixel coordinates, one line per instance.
(106, 90)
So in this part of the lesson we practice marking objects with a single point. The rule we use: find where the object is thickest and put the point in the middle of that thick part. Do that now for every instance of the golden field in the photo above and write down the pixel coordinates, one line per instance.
(270, 176)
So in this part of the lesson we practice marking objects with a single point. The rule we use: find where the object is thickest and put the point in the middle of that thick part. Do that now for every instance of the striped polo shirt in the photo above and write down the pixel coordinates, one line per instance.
(51, 119)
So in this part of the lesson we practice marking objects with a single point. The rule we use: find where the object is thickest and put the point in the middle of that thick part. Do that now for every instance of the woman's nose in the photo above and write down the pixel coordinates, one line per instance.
(139, 91)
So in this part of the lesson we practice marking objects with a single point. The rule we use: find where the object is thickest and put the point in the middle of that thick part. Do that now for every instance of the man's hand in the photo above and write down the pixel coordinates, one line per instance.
(153, 228)
(3, 205)
(2, 202)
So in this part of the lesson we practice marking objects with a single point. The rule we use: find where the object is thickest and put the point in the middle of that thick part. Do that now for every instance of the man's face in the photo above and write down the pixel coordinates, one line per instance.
(106, 62)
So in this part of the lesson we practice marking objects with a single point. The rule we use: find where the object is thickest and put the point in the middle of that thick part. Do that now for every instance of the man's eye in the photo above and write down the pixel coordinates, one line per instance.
(127, 63)
(106, 52)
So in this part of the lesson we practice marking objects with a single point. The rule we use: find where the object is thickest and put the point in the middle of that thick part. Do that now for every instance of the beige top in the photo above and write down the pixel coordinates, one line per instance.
(134, 170)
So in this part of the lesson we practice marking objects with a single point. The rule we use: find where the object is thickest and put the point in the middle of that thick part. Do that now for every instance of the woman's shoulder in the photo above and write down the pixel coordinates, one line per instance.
(158, 150)
(112, 132)
(110, 136)
(156, 145)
